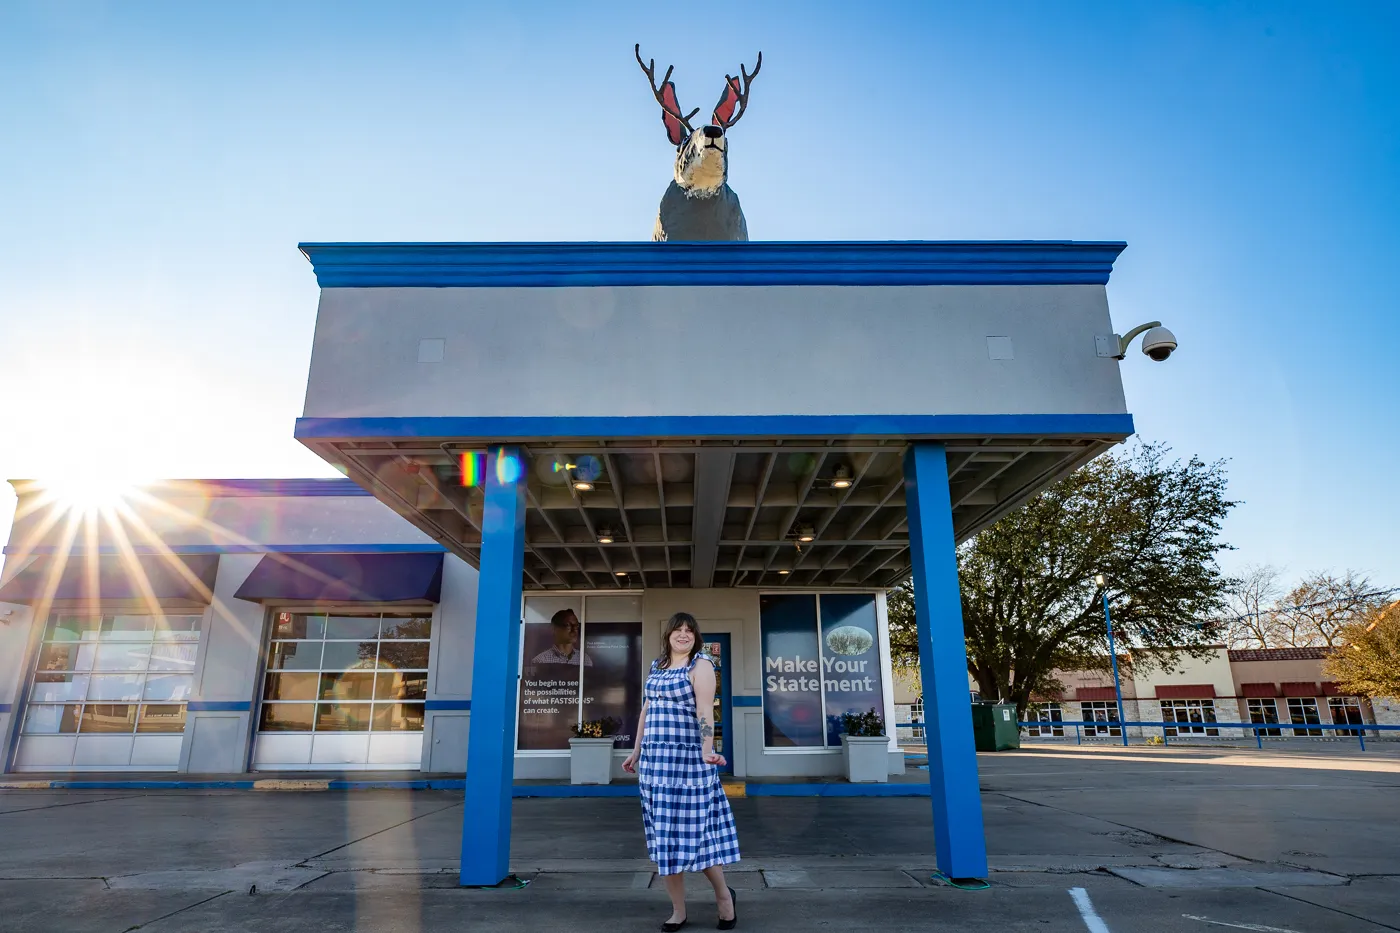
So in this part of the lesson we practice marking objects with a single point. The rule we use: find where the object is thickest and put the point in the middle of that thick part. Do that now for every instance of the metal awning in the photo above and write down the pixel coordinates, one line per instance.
(706, 512)
(181, 579)
(342, 578)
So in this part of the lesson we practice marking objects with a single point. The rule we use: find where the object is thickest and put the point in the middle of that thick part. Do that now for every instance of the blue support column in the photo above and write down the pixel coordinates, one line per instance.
(495, 667)
(952, 756)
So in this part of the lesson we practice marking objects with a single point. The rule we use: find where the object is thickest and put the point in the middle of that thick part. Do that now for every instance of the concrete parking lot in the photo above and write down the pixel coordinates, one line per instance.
(1124, 840)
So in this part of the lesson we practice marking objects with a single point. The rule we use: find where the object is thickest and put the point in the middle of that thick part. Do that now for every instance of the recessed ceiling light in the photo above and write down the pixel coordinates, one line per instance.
(806, 533)
(605, 536)
(619, 573)
(842, 480)
(783, 573)
(583, 485)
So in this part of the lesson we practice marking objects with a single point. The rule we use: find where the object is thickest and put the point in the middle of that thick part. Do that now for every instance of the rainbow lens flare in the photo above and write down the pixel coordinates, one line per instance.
(507, 469)
(473, 468)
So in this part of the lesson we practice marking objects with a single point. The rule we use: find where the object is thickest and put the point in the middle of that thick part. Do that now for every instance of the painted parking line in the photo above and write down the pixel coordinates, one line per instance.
(1091, 917)
(990, 773)
(1256, 927)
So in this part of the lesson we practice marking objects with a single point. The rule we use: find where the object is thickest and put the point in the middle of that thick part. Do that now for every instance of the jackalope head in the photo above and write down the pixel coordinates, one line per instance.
(699, 204)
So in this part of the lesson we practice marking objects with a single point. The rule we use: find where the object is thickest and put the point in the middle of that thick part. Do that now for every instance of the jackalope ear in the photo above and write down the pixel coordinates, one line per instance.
(669, 108)
(724, 110)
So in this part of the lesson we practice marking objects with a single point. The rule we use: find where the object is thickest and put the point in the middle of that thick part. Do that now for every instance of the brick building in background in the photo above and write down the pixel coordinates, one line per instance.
(1258, 685)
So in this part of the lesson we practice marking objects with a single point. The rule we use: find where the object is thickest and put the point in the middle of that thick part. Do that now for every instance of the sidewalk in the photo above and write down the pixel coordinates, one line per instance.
(913, 783)
(1299, 843)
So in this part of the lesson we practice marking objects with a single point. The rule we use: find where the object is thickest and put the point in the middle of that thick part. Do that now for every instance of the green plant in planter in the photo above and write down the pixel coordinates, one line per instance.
(596, 728)
(863, 724)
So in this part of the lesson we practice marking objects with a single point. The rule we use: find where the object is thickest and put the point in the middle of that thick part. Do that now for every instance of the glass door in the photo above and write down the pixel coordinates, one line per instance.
(717, 647)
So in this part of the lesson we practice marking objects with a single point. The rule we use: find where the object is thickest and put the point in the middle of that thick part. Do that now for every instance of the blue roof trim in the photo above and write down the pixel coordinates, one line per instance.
(219, 706)
(1116, 426)
(236, 488)
(553, 265)
(233, 549)
(249, 488)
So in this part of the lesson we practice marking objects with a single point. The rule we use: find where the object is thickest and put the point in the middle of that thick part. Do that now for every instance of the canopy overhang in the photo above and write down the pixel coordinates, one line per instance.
(344, 578)
(168, 581)
(705, 511)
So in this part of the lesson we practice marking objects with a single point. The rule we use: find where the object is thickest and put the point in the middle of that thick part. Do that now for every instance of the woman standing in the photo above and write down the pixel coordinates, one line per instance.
(685, 813)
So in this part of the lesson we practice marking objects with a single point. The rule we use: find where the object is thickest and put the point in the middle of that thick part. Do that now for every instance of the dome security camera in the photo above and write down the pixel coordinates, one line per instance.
(1158, 343)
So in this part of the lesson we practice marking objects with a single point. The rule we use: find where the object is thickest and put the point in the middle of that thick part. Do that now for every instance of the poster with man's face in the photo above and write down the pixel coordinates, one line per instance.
(549, 672)
(579, 666)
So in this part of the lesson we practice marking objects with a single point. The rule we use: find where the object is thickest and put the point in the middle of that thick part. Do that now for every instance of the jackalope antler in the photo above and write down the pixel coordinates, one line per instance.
(666, 93)
(724, 111)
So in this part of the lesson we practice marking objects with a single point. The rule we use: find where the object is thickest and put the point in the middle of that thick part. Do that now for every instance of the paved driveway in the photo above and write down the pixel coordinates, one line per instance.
(1080, 840)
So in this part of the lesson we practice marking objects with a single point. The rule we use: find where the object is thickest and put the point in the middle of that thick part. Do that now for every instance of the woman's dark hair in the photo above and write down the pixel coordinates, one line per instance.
(679, 620)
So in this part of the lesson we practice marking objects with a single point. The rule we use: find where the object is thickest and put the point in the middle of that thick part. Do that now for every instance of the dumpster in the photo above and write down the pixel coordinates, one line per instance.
(994, 727)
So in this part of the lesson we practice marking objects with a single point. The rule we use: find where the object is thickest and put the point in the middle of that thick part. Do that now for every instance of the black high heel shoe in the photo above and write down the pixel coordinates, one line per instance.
(670, 927)
(733, 921)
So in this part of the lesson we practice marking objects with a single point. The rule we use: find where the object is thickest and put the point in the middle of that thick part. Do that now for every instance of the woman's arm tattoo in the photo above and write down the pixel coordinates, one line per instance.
(707, 731)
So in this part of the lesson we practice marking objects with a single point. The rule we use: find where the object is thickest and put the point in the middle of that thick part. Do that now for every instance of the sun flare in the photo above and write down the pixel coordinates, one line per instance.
(91, 493)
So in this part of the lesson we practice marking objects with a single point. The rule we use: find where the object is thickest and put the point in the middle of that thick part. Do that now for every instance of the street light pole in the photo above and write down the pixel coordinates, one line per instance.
(1113, 656)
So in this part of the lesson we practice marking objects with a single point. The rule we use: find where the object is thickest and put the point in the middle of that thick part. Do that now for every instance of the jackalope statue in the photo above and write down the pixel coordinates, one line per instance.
(699, 204)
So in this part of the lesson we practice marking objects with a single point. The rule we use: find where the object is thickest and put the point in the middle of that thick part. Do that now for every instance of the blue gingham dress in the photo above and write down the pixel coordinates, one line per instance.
(686, 815)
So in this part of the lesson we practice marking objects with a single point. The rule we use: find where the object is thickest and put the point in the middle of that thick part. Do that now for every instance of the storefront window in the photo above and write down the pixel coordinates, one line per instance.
(1346, 711)
(1302, 711)
(1098, 711)
(1264, 710)
(581, 659)
(1045, 712)
(346, 673)
(821, 659)
(110, 674)
(1188, 711)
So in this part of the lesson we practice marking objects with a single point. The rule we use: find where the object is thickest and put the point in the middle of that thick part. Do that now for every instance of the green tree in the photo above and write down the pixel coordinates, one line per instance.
(1369, 663)
(1030, 604)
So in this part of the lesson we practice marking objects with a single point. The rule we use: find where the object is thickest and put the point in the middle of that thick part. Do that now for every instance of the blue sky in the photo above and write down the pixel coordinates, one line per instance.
(160, 161)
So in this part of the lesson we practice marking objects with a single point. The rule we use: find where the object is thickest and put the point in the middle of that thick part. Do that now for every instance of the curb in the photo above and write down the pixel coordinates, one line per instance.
(734, 791)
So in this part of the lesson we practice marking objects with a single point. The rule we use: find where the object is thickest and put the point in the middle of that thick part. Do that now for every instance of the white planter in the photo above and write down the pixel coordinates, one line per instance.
(590, 761)
(867, 758)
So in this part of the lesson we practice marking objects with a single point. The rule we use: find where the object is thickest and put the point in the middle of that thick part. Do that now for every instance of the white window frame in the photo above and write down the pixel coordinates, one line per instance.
(1050, 712)
(1298, 706)
(1204, 708)
(1092, 726)
(1256, 708)
(356, 611)
(101, 614)
(1350, 728)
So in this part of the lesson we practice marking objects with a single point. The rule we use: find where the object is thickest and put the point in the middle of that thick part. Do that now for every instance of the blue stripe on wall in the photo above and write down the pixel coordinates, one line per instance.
(219, 706)
(447, 704)
(144, 549)
(1078, 425)
(5, 707)
(746, 701)
(468, 265)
